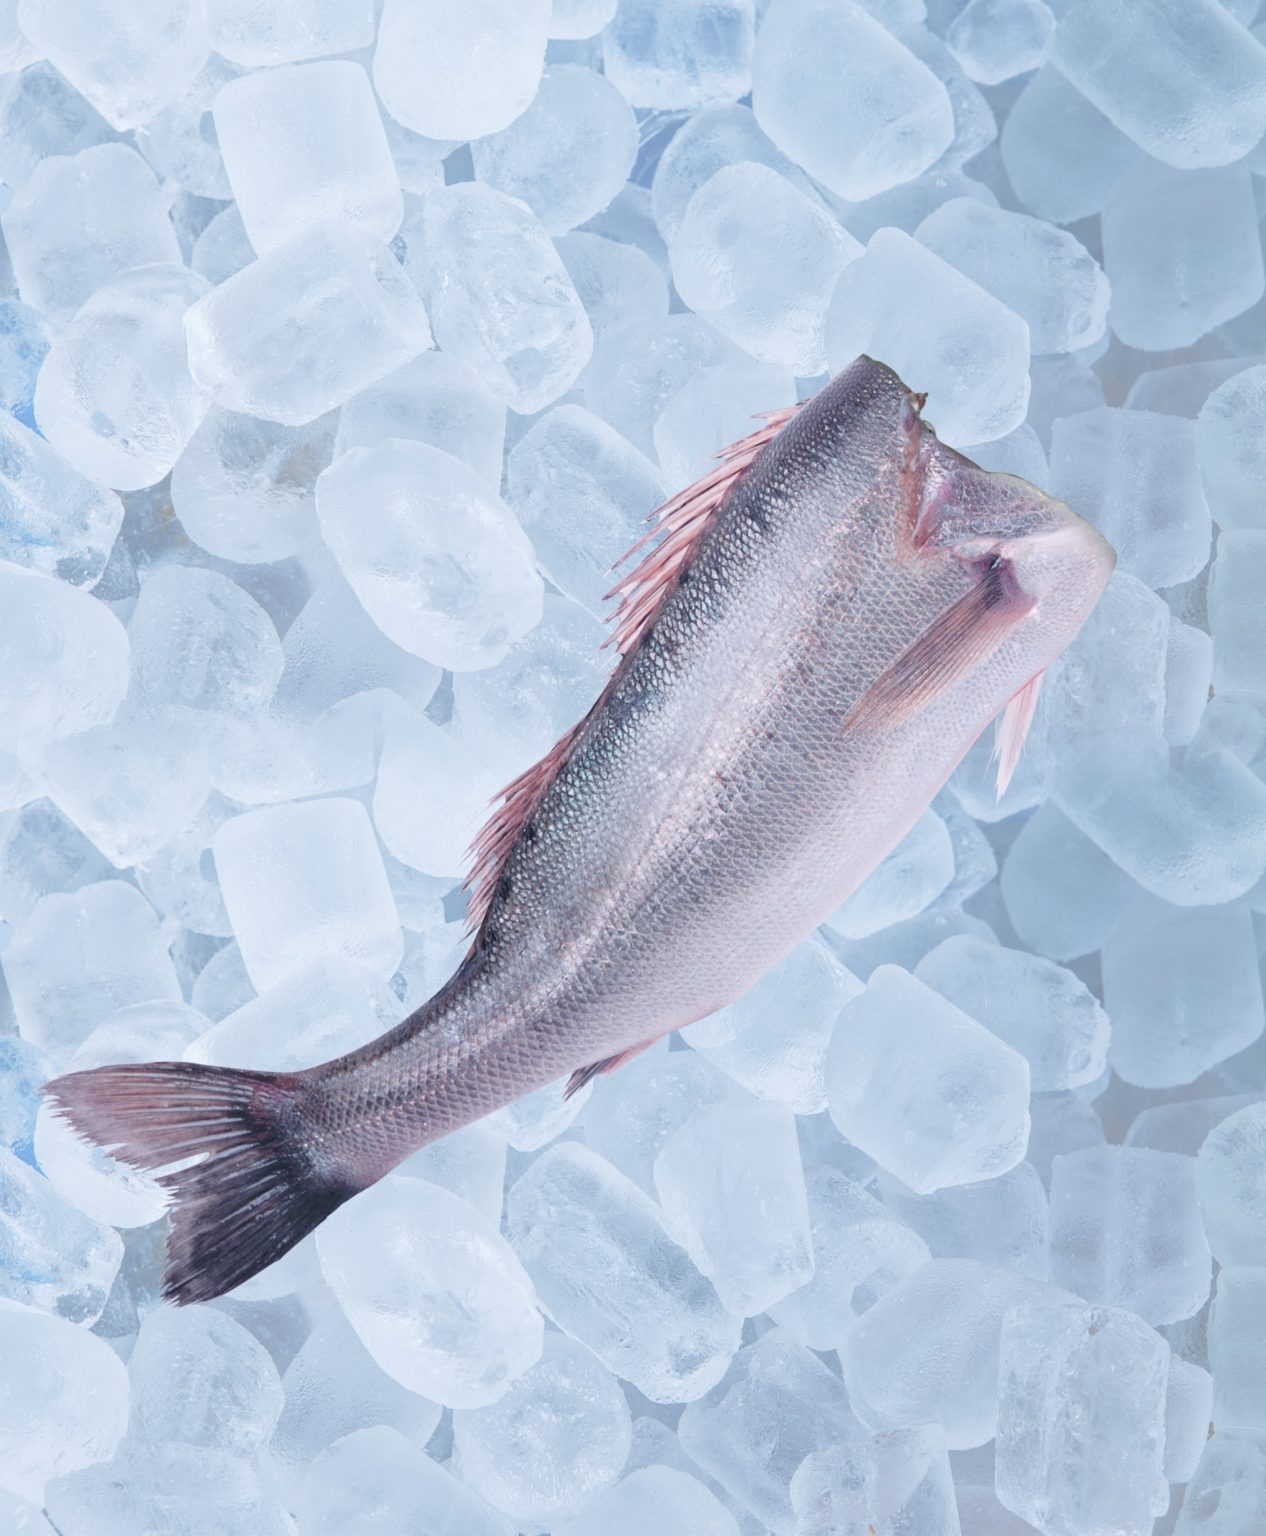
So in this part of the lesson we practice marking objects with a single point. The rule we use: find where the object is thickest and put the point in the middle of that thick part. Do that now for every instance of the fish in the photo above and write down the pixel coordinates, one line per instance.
(814, 635)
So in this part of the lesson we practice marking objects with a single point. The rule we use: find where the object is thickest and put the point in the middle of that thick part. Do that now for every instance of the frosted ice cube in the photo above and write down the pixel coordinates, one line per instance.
(608, 1274)
(558, 1437)
(529, 347)
(53, 1258)
(1182, 251)
(80, 220)
(303, 882)
(760, 259)
(471, 1163)
(619, 285)
(115, 396)
(882, 1484)
(181, 144)
(128, 57)
(1234, 615)
(1002, 1221)
(82, 955)
(1019, 453)
(434, 1293)
(24, 1069)
(294, 29)
(222, 248)
(42, 852)
(1237, 1350)
(267, 760)
(773, 1040)
(1194, 95)
(927, 1352)
(1043, 274)
(243, 488)
(568, 154)
(925, 1090)
(859, 1253)
(200, 1378)
(1062, 892)
(305, 143)
(942, 333)
(773, 1382)
(1164, 967)
(911, 877)
(975, 864)
(583, 494)
(451, 70)
(222, 985)
(576, 19)
(656, 1498)
(995, 40)
(688, 55)
(42, 114)
(435, 400)
(52, 518)
(1229, 447)
(975, 127)
(1231, 1184)
(73, 1407)
(1044, 1011)
(1188, 1409)
(25, 337)
(864, 115)
(438, 559)
(306, 327)
(1081, 1420)
(1188, 678)
(1228, 1487)
(715, 408)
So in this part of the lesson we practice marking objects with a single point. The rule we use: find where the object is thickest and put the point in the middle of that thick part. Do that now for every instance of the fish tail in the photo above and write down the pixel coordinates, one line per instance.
(239, 1160)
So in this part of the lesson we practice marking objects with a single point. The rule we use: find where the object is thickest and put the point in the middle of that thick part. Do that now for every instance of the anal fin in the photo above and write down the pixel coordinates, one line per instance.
(1013, 728)
(583, 1075)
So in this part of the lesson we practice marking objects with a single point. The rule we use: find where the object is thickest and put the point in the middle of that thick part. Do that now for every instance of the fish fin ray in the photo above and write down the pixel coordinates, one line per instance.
(254, 1191)
(1013, 730)
(683, 520)
(586, 1074)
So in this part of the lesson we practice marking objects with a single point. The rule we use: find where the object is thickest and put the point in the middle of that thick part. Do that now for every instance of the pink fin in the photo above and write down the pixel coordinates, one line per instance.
(583, 1075)
(1013, 728)
(967, 632)
(683, 521)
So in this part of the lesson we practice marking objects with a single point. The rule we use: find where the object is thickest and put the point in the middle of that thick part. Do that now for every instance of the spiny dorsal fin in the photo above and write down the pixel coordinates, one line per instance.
(683, 521)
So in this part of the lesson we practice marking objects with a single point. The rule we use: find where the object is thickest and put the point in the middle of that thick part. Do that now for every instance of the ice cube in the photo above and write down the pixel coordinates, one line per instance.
(128, 57)
(24, 1069)
(1002, 1221)
(1227, 1491)
(1231, 1184)
(657, 1498)
(1237, 1349)
(882, 1484)
(942, 333)
(1188, 1409)
(82, 955)
(1044, 1011)
(306, 327)
(538, 1118)
(609, 1275)
(1229, 447)
(52, 519)
(222, 249)
(305, 881)
(470, 1163)
(845, 99)
(452, 70)
(557, 1438)
(114, 396)
(437, 558)
(435, 400)
(434, 1293)
(689, 55)
(294, 29)
(1063, 893)
(569, 154)
(1182, 251)
(53, 1258)
(975, 127)
(222, 985)
(995, 40)
(1043, 274)
(930, 1094)
(906, 883)
(529, 347)
(73, 1406)
(927, 1352)
(243, 488)
(25, 337)
(1165, 967)
(575, 19)
(717, 407)
(583, 493)
(41, 115)
(1235, 615)
(305, 143)
(1188, 679)
(81, 220)
(859, 1253)
(200, 1378)
(776, 1405)
(181, 144)
(619, 285)
(1193, 95)
(1081, 1420)
(760, 259)
(41, 852)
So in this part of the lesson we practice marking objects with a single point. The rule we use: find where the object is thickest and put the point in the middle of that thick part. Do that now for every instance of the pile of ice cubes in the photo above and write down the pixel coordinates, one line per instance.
(343, 346)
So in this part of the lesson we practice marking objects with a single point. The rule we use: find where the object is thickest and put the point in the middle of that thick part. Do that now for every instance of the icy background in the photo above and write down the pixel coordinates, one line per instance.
(342, 347)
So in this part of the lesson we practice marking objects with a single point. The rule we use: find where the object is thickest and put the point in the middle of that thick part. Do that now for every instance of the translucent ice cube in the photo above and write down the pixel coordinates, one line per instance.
(1235, 615)
(944, 335)
(222, 248)
(845, 99)
(52, 518)
(1228, 1486)
(471, 1163)
(655, 1497)
(537, 1118)
(1229, 439)
(1188, 678)
(1188, 1409)
(53, 1258)
(294, 29)
(717, 407)
(1237, 1349)
(25, 337)
(689, 55)
(1000, 1221)
(882, 1484)
(619, 285)
(1231, 1184)
(995, 40)
(912, 876)
(181, 144)
(42, 114)
(575, 19)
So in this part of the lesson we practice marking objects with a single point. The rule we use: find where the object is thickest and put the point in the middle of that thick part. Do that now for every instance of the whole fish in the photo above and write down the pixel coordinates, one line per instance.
(825, 625)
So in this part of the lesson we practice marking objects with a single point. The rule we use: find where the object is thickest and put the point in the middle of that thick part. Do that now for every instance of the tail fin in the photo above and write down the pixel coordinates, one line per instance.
(254, 1189)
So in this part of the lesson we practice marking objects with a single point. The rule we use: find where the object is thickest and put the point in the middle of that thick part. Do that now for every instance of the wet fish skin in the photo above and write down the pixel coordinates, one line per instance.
(863, 603)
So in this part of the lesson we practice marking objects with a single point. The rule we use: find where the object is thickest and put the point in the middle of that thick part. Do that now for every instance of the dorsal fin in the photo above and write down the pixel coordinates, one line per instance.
(683, 521)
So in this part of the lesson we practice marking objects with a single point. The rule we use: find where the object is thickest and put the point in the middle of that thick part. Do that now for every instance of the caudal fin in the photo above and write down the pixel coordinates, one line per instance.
(244, 1186)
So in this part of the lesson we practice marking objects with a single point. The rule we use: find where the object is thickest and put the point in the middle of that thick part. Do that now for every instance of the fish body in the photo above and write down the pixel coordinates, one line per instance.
(831, 622)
